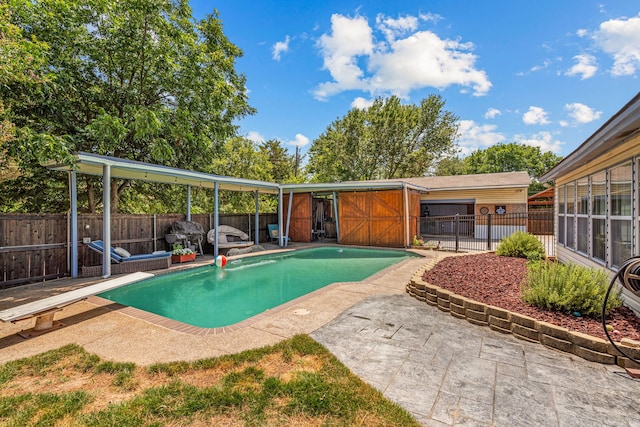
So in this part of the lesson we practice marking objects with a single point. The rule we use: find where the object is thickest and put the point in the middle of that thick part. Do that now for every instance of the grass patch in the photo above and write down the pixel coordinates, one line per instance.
(295, 382)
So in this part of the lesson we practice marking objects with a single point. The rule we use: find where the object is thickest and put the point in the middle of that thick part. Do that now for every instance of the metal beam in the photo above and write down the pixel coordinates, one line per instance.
(106, 220)
(286, 235)
(216, 220)
(188, 203)
(74, 223)
(256, 238)
(335, 216)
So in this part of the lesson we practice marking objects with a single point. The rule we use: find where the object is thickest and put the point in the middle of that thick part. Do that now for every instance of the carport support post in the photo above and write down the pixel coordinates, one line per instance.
(286, 236)
(280, 216)
(188, 203)
(216, 220)
(256, 227)
(106, 221)
(335, 215)
(74, 223)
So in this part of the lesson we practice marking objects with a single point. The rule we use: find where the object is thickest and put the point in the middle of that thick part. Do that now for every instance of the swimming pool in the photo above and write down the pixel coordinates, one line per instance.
(212, 297)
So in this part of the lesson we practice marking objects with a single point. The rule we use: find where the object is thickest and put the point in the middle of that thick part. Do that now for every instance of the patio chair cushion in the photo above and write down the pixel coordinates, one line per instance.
(122, 252)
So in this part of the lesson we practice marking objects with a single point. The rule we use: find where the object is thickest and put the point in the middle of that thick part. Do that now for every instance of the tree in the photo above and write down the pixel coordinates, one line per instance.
(139, 80)
(386, 140)
(282, 165)
(512, 157)
(449, 166)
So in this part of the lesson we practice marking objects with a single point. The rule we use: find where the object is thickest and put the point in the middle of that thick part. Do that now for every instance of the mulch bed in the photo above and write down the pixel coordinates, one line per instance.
(496, 280)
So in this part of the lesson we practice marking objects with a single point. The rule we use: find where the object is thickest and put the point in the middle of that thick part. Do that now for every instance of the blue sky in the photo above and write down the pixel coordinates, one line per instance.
(546, 73)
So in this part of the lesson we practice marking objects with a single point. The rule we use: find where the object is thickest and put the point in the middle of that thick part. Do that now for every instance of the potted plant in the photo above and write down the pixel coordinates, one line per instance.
(180, 254)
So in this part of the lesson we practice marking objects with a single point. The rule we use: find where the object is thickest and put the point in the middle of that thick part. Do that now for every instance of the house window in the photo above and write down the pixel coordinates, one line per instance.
(570, 214)
(582, 214)
(598, 215)
(621, 226)
(561, 210)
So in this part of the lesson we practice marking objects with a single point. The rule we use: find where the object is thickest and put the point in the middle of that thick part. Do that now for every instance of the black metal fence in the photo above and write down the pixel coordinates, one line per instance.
(469, 233)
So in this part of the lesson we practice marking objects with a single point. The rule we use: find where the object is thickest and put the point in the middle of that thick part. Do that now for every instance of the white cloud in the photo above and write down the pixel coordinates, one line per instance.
(350, 38)
(544, 65)
(392, 28)
(535, 116)
(582, 32)
(472, 136)
(586, 66)
(582, 113)
(255, 137)
(431, 17)
(544, 140)
(279, 48)
(361, 103)
(300, 140)
(395, 66)
(620, 38)
(492, 113)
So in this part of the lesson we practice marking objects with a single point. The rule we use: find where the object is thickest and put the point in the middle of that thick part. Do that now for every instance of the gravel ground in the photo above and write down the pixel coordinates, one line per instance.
(496, 280)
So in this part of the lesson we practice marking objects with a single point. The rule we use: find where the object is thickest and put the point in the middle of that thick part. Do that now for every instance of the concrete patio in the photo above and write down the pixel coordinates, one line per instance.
(444, 370)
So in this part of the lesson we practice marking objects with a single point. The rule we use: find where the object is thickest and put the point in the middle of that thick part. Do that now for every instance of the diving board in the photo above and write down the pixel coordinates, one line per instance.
(44, 309)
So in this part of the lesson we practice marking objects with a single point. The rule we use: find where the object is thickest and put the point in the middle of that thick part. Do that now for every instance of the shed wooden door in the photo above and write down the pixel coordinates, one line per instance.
(300, 226)
(372, 218)
(353, 214)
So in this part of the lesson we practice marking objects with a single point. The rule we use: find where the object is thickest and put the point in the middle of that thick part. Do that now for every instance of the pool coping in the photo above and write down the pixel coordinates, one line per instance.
(182, 327)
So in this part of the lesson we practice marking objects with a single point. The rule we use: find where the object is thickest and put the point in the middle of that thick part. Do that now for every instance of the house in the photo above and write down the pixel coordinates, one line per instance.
(597, 202)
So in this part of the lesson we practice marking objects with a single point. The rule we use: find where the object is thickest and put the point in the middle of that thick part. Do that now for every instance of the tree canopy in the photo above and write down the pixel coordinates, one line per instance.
(512, 157)
(139, 79)
(387, 140)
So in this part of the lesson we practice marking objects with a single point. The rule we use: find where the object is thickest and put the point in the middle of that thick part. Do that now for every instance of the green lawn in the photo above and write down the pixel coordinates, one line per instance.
(296, 382)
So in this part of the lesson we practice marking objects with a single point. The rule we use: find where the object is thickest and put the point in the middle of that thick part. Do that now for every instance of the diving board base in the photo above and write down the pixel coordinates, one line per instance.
(33, 332)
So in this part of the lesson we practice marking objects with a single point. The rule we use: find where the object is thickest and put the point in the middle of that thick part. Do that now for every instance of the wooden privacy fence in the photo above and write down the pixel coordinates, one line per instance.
(36, 247)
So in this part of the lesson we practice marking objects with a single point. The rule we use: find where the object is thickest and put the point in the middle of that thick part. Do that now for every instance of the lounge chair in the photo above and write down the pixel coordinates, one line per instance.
(274, 233)
(229, 237)
(127, 264)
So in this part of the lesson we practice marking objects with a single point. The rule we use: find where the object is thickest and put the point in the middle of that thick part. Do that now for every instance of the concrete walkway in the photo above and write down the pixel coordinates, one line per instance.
(448, 372)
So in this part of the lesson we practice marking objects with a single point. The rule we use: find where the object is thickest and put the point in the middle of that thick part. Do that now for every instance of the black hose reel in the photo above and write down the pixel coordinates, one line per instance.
(629, 276)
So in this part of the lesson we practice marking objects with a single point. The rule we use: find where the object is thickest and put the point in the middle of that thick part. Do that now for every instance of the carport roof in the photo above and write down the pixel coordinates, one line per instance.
(92, 164)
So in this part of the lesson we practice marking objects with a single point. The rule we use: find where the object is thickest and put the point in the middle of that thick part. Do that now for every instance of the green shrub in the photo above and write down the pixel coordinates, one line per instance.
(521, 245)
(568, 288)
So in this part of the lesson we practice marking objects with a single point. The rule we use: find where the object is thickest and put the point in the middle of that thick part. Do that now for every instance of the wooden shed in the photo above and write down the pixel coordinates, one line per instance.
(363, 213)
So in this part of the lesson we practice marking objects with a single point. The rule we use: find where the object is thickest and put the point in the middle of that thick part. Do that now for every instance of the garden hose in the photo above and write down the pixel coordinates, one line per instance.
(629, 275)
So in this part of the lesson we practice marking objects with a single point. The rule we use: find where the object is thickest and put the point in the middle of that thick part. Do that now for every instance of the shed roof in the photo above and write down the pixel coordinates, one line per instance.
(621, 127)
(470, 182)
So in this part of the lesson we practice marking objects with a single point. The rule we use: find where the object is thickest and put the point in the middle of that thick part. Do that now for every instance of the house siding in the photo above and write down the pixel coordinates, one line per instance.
(627, 153)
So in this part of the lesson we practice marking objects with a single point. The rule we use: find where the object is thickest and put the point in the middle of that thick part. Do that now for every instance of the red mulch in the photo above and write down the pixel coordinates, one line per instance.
(495, 280)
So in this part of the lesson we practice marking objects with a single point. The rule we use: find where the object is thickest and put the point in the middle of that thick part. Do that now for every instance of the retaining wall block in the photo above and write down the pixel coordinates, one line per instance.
(498, 312)
(443, 299)
(554, 331)
(524, 327)
(475, 306)
(630, 351)
(557, 343)
(499, 324)
(594, 356)
(479, 318)
(456, 306)
(591, 343)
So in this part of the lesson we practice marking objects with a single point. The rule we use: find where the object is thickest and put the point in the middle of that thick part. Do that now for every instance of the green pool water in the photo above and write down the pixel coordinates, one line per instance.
(212, 297)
